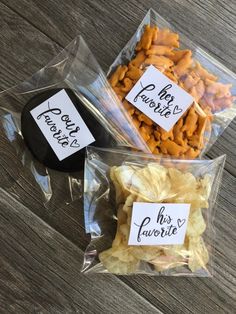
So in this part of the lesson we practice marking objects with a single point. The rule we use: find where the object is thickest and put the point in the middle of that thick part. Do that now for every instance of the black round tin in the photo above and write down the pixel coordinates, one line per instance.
(39, 145)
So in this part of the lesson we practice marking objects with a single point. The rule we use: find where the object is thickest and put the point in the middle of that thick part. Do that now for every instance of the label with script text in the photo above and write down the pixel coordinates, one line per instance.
(158, 224)
(159, 98)
(62, 125)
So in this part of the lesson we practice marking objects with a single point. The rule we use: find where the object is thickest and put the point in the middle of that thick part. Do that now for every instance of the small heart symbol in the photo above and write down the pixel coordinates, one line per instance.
(74, 144)
(177, 110)
(180, 222)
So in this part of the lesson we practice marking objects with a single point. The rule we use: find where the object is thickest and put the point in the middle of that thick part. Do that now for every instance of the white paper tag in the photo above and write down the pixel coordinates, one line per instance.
(159, 98)
(158, 224)
(62, 125)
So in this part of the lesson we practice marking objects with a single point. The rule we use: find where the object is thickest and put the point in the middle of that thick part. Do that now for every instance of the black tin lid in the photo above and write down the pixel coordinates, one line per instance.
(39, 145)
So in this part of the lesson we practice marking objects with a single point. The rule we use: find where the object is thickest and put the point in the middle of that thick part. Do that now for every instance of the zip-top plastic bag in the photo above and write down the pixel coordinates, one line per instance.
(50, 117)
(203, 90)
(150, 215)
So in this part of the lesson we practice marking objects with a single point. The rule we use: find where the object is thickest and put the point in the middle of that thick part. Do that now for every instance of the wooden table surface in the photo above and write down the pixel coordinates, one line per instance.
(41, 252)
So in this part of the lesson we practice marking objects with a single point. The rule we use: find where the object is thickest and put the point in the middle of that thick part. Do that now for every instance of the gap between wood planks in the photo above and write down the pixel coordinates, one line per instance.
(17, 13)
(71, 254)
(229, 167)
(61, 46)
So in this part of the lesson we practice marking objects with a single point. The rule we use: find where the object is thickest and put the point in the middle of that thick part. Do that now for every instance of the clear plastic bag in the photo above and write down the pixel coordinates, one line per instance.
(116, 180)
(74, 69)
(212, 86)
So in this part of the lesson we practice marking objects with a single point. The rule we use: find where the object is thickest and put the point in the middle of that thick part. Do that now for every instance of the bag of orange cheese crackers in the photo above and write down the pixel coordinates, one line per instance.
(179, 98)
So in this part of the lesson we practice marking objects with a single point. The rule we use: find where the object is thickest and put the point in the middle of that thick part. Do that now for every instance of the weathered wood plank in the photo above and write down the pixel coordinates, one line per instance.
(53, 24)
(24, 49)
(40, 271)
(122, 18)
(226, 144)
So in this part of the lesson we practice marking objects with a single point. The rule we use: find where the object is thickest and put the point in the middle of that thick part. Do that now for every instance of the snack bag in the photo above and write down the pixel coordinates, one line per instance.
(179, 98)
(149, 215)
(47, 121)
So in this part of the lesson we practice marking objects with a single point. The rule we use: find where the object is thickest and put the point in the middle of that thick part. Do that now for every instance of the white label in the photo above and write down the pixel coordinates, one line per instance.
(159, 98)
(62, 125)
(158, 224)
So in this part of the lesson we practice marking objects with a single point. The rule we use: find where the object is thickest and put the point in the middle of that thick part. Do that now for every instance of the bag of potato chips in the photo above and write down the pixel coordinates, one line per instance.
(147, 214)
(179, 98)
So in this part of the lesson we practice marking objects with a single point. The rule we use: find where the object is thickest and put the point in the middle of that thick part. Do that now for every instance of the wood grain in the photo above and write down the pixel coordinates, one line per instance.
(40, 271)
(24, 49)
(41, 250)
(190, 17)
(84, 17)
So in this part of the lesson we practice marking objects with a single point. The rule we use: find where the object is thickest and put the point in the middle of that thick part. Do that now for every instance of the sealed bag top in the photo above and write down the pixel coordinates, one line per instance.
(178, 97)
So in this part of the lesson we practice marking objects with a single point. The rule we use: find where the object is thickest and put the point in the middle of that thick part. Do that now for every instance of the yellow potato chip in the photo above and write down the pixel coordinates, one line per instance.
(124, 229)
(164, 262)
(181, 183)
(123, 253)
(121, 215)
(150, 183)
(180, 250)
(189, 196)
(158, 170)
(123, 175)
(115, 265)
(118, 239)
(146, 253)
(204, 186)
(196, 223)
(129, 204)
(198, 254)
